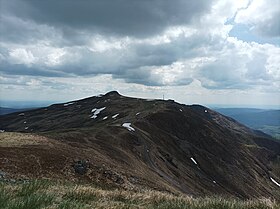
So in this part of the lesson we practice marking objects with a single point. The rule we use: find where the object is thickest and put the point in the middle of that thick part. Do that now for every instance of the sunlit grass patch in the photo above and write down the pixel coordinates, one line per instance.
(13, 139)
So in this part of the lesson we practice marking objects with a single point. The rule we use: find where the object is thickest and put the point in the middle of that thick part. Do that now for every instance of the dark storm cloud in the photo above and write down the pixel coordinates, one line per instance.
(142, 76)
(18, 31)
(138, 18)
(21, 69)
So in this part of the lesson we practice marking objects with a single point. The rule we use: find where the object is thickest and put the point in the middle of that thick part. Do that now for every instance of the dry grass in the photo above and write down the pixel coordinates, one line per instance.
(13, 139)
(52, 195)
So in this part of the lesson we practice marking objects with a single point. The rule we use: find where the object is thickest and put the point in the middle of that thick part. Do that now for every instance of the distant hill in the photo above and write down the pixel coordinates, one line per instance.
(138, 143)
(4, 110)
(267, 121)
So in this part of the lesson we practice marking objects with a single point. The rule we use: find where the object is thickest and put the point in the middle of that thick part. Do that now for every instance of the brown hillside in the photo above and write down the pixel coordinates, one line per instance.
(134, 143)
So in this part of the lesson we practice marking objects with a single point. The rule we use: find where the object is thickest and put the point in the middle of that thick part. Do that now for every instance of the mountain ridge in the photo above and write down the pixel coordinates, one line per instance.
(132, 142)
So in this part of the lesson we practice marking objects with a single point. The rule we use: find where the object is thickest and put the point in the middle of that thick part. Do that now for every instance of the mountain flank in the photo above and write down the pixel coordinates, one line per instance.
(138, 143)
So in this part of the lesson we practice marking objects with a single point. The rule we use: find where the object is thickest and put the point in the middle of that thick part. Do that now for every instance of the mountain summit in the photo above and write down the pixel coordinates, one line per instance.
(131, 142)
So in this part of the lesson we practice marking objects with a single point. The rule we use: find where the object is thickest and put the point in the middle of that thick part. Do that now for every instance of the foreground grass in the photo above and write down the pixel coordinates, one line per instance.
(50, 195)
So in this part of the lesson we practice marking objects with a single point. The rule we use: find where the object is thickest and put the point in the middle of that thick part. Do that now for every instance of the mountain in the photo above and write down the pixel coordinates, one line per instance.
(137, 143)
(267, 121)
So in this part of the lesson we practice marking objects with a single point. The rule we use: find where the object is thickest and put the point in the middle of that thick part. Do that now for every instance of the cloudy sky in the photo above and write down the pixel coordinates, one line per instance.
(194, 51)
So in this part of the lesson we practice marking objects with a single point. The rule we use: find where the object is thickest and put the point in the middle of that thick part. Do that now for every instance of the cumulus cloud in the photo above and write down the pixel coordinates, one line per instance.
(241, 65)
(147, 61)
(262, 16)
(151, 43)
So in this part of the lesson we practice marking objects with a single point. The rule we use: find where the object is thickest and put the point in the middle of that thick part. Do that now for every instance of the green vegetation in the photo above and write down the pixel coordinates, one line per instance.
(26, 196)
(50, 195)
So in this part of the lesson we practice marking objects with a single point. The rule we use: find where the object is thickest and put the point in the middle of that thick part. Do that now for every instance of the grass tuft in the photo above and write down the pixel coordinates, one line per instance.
(70, 204)
(80, 196)
(32, 187)
(33, 201)
(5, 197)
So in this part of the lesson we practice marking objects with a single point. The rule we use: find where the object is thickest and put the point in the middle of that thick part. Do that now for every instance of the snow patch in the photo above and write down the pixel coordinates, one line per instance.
(96, 111)
(137, 113)
(275, 182)
(70, 103)
(99, 95)
(205, 111)
(2, 131)
(194, 161)
(26, 128)
(105, 118)
(214, 182)
(128, 126)
(114, 116)
(181, 110)
(21, 114)
(24, 122)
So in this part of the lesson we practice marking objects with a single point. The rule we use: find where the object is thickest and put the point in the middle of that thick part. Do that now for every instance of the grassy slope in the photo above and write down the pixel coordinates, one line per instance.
(57, 195)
